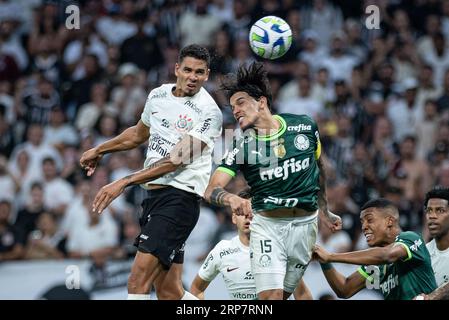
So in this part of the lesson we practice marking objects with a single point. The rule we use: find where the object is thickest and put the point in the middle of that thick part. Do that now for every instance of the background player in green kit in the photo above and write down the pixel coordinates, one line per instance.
(279, 156)
(398, 263)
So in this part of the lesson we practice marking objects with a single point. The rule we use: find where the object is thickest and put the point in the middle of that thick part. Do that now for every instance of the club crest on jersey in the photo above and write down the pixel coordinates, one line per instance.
(302, 142)
(184, 123)
(265, 260)
(279, 148)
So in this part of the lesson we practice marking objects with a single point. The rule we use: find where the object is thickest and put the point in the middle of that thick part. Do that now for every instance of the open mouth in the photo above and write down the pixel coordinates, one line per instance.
(369, 236)
(191, 86)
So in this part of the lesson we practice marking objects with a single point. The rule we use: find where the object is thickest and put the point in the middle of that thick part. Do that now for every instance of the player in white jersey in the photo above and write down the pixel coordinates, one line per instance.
(184, 121)
(437, 216)
(231, 258)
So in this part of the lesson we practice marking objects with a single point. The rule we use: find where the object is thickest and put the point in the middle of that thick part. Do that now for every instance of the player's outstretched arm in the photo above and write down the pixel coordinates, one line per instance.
(344, 287)
(441, 293)
(198, 287)
(217, 195)
(331, 220)
(372, 256)
(183, 153)
(128, 139)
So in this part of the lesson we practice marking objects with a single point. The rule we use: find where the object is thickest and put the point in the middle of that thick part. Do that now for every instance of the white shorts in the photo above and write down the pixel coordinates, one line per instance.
(280, 250)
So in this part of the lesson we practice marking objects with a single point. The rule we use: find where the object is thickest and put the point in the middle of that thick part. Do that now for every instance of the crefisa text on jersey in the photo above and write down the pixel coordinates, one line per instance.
(226, 309)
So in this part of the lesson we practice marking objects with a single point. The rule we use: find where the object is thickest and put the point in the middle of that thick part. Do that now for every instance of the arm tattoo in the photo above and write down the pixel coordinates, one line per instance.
(218, 195)
(322, 198)
(441, 293)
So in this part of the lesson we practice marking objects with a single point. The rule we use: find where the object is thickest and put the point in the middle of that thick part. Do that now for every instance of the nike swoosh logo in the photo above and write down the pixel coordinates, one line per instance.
(231, 269)
(154, 112)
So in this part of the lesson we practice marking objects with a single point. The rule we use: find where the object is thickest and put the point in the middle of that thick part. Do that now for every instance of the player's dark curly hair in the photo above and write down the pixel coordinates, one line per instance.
(438, 192)
(251, 79)
(195, 51)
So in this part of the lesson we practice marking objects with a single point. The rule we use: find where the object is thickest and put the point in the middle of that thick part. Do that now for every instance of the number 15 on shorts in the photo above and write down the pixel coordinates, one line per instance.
(265, 246)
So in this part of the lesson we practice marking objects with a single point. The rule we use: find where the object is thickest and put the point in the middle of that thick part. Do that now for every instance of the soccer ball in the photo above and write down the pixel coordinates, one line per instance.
(270, 37)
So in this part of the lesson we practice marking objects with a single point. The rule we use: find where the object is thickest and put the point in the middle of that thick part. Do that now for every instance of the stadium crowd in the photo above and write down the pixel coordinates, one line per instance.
(380, 97)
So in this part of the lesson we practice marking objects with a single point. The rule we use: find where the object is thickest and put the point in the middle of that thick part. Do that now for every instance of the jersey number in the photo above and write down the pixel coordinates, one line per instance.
(265, 246)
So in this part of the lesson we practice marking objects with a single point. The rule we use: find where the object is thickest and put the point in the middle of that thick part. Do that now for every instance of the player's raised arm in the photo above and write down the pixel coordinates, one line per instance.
(217, 195)
(344, 287)
(128, 139)
(183, 153)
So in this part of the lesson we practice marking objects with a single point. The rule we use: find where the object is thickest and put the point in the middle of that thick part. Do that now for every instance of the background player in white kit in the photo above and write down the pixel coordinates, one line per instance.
(231, 258)
(437, 216)
(184, 121)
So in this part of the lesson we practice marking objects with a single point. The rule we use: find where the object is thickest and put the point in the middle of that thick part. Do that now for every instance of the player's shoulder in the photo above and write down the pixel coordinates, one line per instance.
(412, 239)
(160, 92)
(204, 97)
(290, 117)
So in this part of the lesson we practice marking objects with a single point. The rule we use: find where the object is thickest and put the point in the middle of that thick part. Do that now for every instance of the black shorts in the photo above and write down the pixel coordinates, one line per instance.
(169, 216)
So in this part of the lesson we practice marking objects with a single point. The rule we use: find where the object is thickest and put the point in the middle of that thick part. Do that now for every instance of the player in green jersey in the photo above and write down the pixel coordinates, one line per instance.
(398, 263)
(279, 156)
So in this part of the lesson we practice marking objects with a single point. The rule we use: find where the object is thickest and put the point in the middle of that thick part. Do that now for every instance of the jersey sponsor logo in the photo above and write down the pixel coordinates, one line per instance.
(231, 269)
(184, 123)
(193, 106)
(226, 252)
(388, 285)
(205, 126)
(159, 95)
(157, 144)
(244, 296)
(209, 259)
(300, 127)
(416, 245)
(289, 166)
(248, 276)
(265, 260)
(289, 202)
(302, 142)
(165, 123)
(230, 156)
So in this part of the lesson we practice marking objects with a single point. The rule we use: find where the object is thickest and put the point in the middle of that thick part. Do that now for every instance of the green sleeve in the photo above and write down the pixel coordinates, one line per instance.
(413, 244)
(232, 159)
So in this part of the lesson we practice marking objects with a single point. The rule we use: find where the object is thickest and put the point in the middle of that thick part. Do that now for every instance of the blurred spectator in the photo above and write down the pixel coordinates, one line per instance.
(59, 133)
(9, 184)
(323, 18)
(413, 174)
(37, 103)
(11, 238)
(34, 206)
(36, 150)
(97, 239)
(304, 103)
(58, 193)
(141, 49)
(46, 242)
(338, 62)
(91, 111)
(6, 134)
(198, 25)
(312, 53)
(129, 97)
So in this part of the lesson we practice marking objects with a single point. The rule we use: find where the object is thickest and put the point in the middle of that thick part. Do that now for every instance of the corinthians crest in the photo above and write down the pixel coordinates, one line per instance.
(279, 148)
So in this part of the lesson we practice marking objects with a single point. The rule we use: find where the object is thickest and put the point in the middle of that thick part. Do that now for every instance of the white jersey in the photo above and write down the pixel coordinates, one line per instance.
(169, 119)
(440, 263)
(231, 259)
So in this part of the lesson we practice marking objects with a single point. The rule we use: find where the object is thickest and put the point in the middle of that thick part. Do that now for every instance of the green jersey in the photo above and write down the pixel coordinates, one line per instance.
(281, 168)
(404, 279)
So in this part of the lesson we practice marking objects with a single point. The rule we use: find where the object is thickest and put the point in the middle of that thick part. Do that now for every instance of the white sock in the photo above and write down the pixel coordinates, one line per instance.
(188, 296)
(138, 296)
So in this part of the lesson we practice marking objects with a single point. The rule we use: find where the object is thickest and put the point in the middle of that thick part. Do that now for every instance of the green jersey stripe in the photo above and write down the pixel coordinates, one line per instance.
(364, 274)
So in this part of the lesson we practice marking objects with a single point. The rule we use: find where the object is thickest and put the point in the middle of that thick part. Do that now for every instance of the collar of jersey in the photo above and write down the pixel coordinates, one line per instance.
(276, 134)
